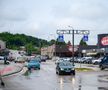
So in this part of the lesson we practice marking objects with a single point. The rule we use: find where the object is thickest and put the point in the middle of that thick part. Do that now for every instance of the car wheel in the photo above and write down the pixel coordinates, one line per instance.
(39, 68)
(59, 73)
(7, 63)
(96, 63)
(56, 72)
(102, 68)
(73, 72)
(29, 69)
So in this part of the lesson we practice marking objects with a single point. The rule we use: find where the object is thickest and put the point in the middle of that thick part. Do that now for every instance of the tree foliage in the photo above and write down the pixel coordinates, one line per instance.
(82, 43)
(14, 41)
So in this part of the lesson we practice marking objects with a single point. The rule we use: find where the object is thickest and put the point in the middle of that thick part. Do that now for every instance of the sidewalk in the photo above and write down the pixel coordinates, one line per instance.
(10, 69)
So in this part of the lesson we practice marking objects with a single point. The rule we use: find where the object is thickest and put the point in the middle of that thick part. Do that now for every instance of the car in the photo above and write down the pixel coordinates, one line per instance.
(59, 60)
(1, 57)
(88, 61)
(20, 59)
(43, 58)
(97, 61)
(35, 64)
(104, 63)
(65, 67)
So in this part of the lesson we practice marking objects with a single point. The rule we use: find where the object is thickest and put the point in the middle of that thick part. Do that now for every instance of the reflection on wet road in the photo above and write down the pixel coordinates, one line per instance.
(46, 79)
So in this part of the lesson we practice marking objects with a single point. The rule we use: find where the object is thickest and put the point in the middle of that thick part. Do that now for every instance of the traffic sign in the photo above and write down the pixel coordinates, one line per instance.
(61, 38)
(85, 38)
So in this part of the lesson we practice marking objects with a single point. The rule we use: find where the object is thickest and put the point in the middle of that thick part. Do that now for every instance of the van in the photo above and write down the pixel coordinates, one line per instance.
(104, 63)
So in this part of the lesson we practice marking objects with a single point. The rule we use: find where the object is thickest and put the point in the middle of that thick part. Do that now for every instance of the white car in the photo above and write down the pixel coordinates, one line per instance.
(1, 57)
(20, 60)
(97, 61)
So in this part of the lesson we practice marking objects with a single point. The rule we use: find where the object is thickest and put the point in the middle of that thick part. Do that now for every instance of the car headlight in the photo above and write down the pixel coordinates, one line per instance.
(61, 69)
(72, 68)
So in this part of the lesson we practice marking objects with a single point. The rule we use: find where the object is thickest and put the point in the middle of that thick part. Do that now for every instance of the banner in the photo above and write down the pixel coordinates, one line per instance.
(103, 40)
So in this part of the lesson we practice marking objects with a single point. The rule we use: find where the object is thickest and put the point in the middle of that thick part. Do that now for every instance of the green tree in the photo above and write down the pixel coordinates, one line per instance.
(69, 43)
(82, 43)
(14, 41)
(29, 48)
(52, 42)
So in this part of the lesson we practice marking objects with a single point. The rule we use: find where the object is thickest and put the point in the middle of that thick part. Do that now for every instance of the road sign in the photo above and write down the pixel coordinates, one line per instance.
(85, 38)
(61, 38)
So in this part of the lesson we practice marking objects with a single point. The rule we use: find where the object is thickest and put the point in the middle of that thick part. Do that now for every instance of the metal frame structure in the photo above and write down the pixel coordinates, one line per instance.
(72, 31)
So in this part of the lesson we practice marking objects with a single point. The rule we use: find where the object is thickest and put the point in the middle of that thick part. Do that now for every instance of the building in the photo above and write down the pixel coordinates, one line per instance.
(59, 50)
(2, 45)
(88, 50)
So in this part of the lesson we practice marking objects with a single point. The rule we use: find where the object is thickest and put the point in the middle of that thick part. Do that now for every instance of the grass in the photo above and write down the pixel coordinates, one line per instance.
(83, 69)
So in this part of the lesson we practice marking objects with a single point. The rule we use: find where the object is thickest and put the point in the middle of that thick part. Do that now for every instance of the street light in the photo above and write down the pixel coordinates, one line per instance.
(72, 43)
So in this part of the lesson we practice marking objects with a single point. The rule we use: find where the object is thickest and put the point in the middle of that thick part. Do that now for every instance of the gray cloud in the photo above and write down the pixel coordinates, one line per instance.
(41, 18)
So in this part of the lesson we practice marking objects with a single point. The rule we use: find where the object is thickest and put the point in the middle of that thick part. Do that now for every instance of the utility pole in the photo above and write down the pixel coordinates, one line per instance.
(72, 32)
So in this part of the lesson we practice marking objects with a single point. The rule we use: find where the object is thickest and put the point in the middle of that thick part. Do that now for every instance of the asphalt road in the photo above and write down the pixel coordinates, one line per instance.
(46, 79)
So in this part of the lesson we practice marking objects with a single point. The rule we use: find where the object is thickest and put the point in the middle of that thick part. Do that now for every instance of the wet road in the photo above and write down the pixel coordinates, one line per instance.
(46, 79)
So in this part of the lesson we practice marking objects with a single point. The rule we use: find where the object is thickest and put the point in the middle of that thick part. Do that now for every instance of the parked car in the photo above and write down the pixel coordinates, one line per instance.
(35, 64)
(20, 60)
(104, 63)
(88, 61)
(65, 67)
(97, 61)
(1, 57)
(43, 58)
(4, 59)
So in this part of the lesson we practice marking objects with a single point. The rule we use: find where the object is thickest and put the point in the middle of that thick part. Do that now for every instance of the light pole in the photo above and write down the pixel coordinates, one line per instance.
(2, 83)
(72, 43)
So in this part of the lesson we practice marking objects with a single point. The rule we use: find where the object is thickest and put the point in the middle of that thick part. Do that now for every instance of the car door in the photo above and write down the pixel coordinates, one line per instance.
(105, 62)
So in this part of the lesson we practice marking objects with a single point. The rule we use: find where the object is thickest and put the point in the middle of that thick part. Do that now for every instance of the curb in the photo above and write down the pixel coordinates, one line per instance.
(13, 72)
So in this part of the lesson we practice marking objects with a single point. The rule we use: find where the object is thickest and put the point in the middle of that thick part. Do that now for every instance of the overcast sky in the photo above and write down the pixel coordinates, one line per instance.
(41, 18)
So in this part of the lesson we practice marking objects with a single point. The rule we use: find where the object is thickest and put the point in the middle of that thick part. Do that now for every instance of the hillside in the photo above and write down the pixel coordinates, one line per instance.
(14, 41)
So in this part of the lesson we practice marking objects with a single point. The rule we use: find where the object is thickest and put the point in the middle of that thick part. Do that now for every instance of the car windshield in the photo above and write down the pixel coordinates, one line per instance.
(105, 58)
(32, 61)
(65, 64)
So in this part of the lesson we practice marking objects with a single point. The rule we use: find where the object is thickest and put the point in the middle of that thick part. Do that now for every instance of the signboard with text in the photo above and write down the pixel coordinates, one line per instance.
(103, 40)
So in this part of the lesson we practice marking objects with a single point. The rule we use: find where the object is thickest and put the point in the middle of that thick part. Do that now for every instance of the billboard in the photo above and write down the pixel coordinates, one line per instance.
(103, 40)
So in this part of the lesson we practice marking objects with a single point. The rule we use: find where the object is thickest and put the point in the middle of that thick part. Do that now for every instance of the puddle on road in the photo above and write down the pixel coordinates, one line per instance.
(66, 79)
(29, 74)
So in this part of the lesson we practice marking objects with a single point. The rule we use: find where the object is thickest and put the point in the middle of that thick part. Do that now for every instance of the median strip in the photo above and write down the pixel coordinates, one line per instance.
(84, 69)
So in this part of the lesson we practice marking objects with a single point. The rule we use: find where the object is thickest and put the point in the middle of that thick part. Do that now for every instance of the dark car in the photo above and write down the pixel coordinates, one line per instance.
(65, 67)
(104, 63)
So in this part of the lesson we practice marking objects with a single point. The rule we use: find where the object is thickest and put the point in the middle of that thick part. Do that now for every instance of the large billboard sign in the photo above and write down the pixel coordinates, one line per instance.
(103, 40)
